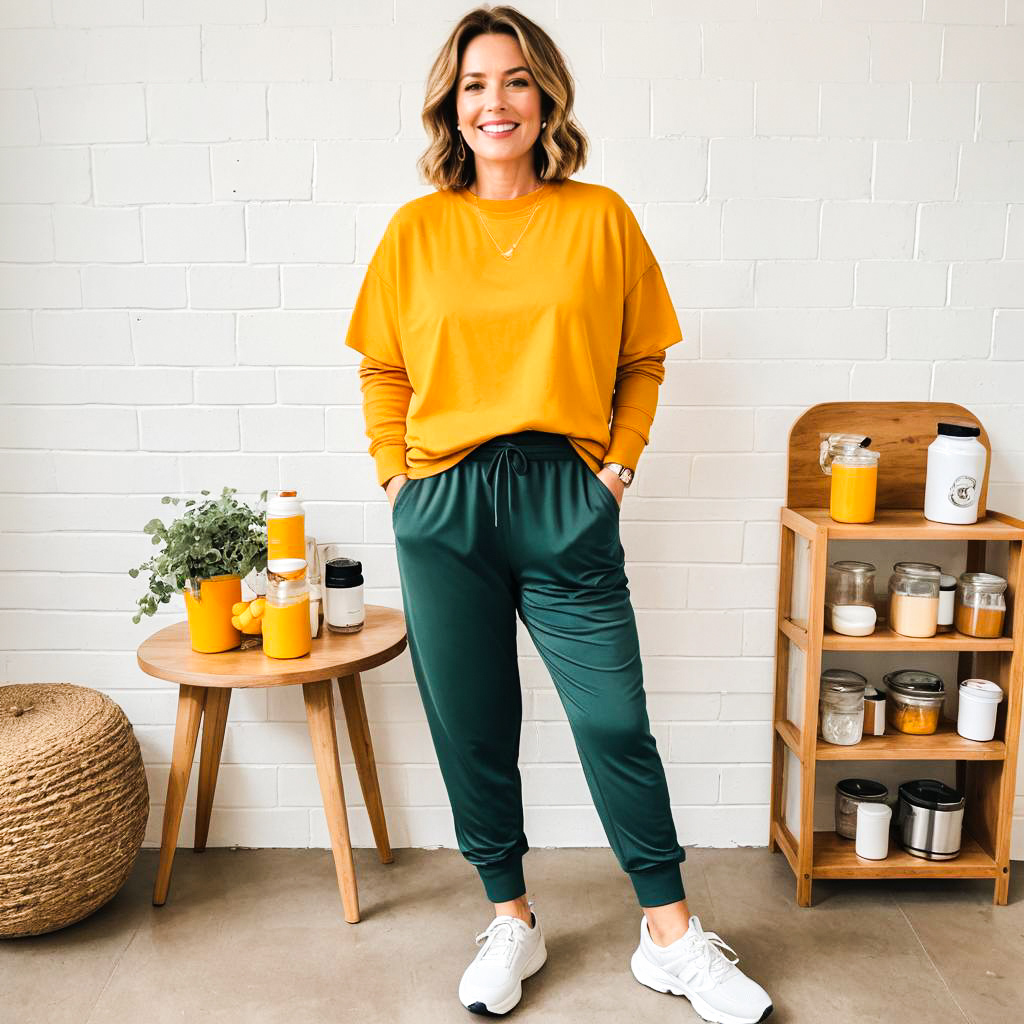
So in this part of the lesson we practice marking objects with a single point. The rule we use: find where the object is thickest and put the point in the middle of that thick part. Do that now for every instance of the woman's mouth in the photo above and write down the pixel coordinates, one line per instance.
(502, 131)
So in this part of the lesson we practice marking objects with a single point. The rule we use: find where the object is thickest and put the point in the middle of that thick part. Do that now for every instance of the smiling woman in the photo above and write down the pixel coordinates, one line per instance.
(498, 65)
(514, 326)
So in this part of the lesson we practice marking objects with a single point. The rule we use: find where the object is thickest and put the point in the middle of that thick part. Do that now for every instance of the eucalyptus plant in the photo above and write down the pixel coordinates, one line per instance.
(217, 538)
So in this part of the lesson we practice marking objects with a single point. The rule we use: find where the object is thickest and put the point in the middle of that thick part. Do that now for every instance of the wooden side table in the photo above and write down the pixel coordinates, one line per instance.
(205, 682)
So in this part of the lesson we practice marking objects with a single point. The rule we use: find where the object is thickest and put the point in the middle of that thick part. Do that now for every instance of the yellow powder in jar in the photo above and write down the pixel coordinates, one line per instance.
(918, 721)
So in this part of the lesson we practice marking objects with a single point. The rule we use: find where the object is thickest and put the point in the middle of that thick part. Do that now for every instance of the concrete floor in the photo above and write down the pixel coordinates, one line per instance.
(257, 937)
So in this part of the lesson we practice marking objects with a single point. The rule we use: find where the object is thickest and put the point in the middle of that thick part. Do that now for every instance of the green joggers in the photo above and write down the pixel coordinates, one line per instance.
(522, 525)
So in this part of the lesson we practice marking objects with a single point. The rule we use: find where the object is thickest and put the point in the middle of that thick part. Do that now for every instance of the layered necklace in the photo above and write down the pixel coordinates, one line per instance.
(510, 251)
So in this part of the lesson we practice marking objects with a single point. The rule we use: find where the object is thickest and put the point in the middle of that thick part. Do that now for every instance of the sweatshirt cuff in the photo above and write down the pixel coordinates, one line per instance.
(390, 461)
(626, 447)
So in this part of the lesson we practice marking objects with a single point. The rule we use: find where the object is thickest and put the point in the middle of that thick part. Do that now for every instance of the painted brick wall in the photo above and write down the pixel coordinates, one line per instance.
(189, 194)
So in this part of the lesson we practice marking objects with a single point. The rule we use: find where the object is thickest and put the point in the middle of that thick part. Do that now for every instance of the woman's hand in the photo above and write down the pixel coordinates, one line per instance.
(611, 480)
(394, 485)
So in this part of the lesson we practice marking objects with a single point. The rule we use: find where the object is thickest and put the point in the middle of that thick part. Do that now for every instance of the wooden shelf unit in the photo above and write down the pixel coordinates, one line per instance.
(985, 772)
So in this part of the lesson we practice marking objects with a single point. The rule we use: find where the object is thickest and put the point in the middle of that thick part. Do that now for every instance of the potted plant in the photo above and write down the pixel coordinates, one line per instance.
(206, 552)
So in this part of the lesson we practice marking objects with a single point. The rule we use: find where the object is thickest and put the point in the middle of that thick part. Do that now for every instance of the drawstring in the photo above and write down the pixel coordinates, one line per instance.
(514, 458)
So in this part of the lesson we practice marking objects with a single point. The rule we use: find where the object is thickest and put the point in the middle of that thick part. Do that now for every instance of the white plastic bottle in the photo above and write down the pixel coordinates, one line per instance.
(956, 472)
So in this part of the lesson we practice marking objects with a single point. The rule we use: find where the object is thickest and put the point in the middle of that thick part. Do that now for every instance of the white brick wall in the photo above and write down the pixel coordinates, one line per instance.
(189, 194)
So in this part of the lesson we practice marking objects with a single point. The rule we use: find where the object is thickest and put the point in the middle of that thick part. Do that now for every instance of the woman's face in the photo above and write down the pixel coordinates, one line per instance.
(493, 85)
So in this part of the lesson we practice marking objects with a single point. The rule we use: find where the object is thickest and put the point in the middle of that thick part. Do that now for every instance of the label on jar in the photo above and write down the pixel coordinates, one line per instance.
(344, 605)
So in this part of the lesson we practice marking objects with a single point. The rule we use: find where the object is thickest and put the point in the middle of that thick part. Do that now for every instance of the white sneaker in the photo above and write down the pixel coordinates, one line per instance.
(694, 966)
(492, 983)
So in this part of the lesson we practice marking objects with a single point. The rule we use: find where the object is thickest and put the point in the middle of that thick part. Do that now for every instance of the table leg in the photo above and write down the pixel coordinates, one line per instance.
(215, 717)
(320, 715)
(191, 700)
(362, 749)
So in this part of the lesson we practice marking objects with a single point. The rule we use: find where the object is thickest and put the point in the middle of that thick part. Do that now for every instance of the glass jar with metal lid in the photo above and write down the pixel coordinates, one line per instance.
(914, 598)
(850, 598)
(914, 700)
(849, 793)
(980, 604)
(842, 706)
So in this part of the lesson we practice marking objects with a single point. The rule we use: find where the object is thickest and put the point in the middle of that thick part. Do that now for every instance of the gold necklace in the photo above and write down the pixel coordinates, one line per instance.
(509, 252)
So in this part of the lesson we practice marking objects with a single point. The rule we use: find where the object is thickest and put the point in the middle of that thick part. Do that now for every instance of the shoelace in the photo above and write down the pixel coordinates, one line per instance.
(501, 941)
(709, 947)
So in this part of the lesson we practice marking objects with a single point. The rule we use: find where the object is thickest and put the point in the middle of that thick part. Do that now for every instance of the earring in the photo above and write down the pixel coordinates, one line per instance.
(462, 151)
(543, 124)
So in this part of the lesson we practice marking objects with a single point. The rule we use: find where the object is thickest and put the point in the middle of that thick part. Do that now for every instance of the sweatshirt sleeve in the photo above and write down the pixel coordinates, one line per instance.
(373, 330)
(649, 326)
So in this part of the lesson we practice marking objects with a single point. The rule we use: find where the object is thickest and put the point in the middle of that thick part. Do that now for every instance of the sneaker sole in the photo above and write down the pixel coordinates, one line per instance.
(533, 965)
(661, 981)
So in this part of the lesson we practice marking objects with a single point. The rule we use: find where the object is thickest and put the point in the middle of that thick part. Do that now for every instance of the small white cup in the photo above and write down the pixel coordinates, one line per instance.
(872, 840)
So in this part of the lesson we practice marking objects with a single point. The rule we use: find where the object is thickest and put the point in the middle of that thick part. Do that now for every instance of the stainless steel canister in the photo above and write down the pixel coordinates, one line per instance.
(930, 819)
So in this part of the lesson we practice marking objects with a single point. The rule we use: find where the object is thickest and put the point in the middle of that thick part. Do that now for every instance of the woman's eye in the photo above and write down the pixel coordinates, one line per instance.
(515, 81)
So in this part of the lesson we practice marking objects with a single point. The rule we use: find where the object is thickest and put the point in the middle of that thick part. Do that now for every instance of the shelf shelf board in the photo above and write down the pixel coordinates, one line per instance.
(835, 857)
(909, 524)
(884, 639)
(946, 744)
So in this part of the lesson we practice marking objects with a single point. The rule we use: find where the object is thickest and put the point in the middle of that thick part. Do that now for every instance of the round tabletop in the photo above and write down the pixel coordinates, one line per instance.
(168, 654)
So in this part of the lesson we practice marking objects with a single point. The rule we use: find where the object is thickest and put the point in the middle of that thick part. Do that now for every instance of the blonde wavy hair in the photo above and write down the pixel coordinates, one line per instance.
(561, 148)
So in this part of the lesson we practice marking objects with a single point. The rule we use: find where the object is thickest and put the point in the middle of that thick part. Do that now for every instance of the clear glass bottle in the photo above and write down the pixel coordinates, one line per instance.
(842, 706)
(914, 598)
(980, 604)
(850, 598)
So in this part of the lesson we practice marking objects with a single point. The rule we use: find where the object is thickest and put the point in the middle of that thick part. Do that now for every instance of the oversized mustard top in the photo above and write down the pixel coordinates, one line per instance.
(461, 345)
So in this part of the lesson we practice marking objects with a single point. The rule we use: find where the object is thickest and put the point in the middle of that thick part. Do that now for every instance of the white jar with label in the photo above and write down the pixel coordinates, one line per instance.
(956, 473)
(344, 610)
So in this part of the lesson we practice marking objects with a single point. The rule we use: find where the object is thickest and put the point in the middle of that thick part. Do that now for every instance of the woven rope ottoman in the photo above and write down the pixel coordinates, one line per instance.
(73, 804)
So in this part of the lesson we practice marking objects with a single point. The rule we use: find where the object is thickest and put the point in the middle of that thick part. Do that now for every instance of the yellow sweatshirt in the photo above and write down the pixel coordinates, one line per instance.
(461, 345)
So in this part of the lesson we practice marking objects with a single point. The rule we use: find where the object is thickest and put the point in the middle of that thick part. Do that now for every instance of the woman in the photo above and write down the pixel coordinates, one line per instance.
(503, 319)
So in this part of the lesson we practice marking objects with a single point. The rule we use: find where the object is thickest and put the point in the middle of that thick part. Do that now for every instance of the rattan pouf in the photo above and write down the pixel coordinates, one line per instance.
(73, 804)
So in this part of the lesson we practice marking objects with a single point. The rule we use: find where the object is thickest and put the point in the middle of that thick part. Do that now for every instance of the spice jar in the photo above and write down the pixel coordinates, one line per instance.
(980, 604)
(947, 601)
(343, 593)
(854, 471)
(850, 793)
(842, 706)
(850, 598)
(955, 474)
(286, 526)
(286, 632)
(914, 700)
(914, 598)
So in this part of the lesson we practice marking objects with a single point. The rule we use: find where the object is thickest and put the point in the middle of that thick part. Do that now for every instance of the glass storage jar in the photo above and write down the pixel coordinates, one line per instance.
(286, 628)
(854, 471)
(850, 598)
(849, 793)
(914, 598)
(980, 604)
(914, 700)
(842, 706)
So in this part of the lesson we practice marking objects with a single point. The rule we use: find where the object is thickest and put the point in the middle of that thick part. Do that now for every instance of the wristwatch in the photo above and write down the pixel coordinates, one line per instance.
(624, 473)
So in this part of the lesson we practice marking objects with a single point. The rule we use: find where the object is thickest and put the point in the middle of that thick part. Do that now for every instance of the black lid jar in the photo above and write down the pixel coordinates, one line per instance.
(344, 611)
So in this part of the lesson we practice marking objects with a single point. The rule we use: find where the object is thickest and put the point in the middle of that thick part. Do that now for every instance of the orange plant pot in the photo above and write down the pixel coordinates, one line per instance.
(209, 618)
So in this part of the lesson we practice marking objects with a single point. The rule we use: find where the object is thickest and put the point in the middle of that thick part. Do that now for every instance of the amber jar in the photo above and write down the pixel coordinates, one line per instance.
(980, 604)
